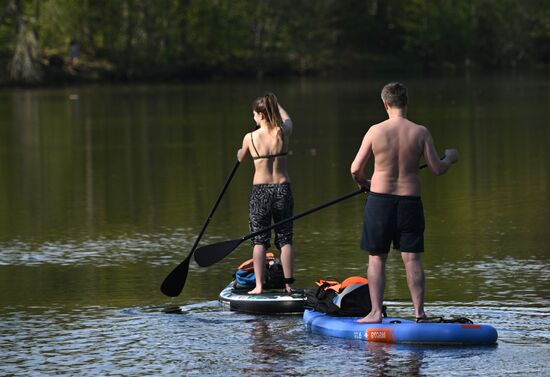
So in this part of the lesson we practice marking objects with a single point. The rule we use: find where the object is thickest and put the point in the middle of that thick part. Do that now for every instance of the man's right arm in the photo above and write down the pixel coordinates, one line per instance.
(360, 161)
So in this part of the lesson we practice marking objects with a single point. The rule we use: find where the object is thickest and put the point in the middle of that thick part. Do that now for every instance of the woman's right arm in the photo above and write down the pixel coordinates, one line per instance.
(241, 153)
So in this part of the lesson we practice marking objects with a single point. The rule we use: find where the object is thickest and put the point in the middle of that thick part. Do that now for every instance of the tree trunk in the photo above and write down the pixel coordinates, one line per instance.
(24, 66)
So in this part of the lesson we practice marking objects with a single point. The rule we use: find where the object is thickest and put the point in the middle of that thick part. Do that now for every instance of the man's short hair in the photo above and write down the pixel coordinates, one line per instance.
(395, 95)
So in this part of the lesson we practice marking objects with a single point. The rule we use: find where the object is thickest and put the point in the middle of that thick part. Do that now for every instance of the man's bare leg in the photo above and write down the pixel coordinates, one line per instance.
(415, 281)
(376, 273)
(258, 257)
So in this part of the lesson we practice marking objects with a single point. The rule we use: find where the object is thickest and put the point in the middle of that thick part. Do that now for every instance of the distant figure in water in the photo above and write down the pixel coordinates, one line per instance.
(271, 194)
(74, 53)
(394, 212)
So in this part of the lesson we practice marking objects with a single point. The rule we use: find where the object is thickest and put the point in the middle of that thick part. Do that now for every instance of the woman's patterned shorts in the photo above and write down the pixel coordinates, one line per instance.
(271, 201)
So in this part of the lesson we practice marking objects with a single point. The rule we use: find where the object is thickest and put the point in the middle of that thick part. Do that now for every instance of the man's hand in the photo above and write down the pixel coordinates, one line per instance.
(364, 184)
(451, 155)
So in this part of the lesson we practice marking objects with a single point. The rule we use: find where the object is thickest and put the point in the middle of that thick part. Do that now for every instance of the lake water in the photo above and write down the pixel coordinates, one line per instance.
(103, 190)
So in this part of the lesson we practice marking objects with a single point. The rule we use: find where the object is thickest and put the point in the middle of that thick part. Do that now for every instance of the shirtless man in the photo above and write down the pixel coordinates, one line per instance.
(394, 212)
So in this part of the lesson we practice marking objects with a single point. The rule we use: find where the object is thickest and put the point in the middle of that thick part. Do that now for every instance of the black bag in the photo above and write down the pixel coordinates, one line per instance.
(342, 300)
(245, 278)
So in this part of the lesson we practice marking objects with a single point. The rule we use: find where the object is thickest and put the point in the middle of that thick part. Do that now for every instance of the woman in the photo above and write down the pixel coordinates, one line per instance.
(271, 195)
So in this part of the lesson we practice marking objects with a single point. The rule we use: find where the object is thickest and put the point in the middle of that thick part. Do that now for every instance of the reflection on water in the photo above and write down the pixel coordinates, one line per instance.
(153, 248)
(103, 193)
(507, 280)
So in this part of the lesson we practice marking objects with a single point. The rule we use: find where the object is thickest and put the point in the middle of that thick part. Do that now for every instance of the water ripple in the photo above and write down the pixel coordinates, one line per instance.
(200, 338)
(157, 249)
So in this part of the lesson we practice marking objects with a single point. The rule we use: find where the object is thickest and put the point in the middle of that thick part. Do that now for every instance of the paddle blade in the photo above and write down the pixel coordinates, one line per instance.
(174, 282)
(208, 255)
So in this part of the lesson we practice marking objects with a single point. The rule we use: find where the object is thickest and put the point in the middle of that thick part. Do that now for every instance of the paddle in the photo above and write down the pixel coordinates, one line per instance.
(208, 255)
(174, 282)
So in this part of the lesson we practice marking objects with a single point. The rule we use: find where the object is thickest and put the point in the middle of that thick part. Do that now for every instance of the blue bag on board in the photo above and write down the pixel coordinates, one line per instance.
(245, 278)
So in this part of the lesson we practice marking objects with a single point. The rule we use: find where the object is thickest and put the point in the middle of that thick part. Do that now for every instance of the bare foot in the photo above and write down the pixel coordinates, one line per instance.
(371, 318)
(421, 315)
(421, 318)
(288, 289)
(255, 291)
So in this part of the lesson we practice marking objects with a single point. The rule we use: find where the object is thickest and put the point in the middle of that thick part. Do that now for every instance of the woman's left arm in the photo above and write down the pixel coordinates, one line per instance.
(241, 153)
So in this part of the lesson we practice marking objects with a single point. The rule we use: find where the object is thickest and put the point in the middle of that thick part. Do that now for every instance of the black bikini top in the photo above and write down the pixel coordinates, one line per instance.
(257, 157)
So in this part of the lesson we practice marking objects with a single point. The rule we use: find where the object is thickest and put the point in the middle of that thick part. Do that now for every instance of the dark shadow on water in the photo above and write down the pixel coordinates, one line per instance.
(205, 312)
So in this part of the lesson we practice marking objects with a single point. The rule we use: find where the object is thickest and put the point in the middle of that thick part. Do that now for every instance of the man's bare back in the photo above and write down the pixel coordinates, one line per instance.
(397, 145)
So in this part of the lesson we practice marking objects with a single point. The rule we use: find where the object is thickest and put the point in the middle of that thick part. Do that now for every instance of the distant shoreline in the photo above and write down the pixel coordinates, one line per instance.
(97, 72)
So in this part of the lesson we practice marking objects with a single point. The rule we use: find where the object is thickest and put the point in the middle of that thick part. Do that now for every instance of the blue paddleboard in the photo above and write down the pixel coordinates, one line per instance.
(398, 330)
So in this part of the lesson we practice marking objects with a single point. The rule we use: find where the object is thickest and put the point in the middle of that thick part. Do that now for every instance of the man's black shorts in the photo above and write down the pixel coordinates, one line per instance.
(393, 218)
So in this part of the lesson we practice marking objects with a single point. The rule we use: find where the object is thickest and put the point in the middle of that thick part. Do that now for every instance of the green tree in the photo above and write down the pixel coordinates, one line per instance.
(437, 33)
(149, 39)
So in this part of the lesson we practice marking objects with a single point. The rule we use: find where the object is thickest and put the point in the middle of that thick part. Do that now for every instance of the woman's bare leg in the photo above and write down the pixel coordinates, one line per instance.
(258, 257)
(287, 262)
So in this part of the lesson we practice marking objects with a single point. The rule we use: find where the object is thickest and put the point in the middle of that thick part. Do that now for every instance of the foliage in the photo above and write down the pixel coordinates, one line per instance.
(141, 39)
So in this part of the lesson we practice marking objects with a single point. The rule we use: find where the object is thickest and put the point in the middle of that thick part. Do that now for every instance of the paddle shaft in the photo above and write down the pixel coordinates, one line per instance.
(337, 200)
(295, 217)
(210, 254)
(229, 178)
(175, 281)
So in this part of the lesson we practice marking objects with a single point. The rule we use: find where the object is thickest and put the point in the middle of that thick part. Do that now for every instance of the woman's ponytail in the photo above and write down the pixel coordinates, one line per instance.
(267, 105)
